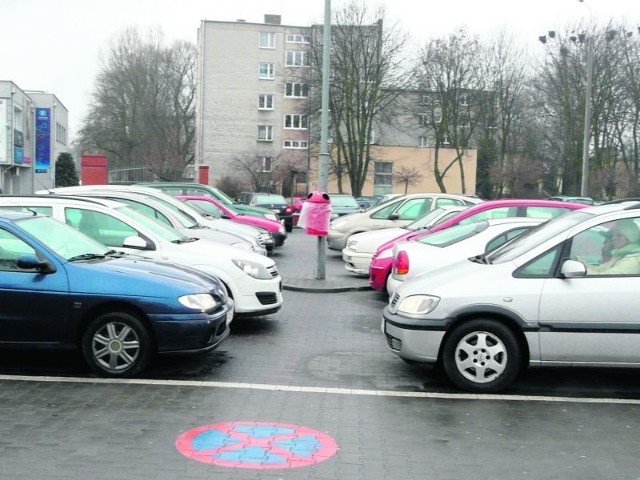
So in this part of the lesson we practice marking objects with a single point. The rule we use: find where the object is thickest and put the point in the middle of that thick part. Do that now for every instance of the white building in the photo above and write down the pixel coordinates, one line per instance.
(33, 132)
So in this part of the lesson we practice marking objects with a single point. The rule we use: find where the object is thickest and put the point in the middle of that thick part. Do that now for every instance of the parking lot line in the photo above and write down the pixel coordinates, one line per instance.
(324, 390)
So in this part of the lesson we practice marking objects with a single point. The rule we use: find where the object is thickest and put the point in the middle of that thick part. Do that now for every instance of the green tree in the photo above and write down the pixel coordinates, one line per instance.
(66, 175)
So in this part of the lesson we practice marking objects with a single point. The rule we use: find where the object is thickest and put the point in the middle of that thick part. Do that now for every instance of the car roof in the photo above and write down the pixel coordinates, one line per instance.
(53, 198)
(16, 215)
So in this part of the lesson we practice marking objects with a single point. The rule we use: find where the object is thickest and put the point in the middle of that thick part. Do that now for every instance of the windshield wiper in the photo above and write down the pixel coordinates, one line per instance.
(480, 259)
(184, 240)
(87, 256)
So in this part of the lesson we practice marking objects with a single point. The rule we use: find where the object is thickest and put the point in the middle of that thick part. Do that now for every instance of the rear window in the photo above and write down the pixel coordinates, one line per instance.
(344, 202)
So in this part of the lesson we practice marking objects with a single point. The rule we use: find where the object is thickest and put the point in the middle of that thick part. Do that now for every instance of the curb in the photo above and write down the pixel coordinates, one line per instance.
(293, 288)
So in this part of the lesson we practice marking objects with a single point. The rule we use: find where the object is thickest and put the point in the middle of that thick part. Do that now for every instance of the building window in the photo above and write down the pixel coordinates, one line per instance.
(267, 40)
(464, 100)
(265, 133)
(294, 121)
(265, 101)
(265, 164)
(299, 144)
(382, 178)
(424, 100)
(297, 90)
(267, 71)
(291, 38)
(61, 134)
(297, 59)
(423, 119)
(437, 115)
(423, 141)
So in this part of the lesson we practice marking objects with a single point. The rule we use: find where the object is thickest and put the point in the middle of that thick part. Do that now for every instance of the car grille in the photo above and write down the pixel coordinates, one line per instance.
(267, 298)
(273, 271)
(394, 299)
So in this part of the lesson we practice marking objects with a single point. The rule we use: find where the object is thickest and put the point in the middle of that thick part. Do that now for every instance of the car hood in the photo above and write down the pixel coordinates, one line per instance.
(135, 276)
(370, 241)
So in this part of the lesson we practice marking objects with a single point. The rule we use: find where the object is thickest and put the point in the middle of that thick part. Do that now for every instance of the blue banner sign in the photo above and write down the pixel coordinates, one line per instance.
(43, 139)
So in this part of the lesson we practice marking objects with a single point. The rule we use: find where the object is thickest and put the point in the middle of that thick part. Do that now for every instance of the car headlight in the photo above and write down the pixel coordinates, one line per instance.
(271, 216)
(418, 304)
(253, 269)
(198, 301)
(352, 244)
(281, 229)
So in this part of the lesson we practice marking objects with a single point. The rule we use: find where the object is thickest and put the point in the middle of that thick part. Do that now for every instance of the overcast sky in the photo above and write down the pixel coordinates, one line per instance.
(54, 45)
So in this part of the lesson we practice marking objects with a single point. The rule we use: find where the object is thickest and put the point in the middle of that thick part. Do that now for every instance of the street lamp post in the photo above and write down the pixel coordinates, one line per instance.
(584, 184)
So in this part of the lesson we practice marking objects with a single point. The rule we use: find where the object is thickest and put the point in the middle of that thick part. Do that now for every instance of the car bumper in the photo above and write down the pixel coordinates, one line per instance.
(356, 262)
(198, 332)
(279, 238)
(259, 297)
(379, 272)
(336, 240)
(417, 341)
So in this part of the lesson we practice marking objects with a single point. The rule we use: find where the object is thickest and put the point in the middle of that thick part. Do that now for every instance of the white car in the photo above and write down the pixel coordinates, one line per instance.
(449, 246)
(360, 247)
(556, 296)
(397, 212)
(252, 280)
(196, 219)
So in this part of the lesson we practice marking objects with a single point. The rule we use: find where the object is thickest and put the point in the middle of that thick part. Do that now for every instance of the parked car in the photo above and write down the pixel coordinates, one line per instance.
(272, 201)
(343, 204)
(63, 290)
(397, 212)
(252, 280)
(536, 301)
(296, 203)
(360, 247)
(196, 218)
(211, 206)
(380, 267)
(178, 220)
(448, 246)
(566, 198)
(367, 201)
(189, 188)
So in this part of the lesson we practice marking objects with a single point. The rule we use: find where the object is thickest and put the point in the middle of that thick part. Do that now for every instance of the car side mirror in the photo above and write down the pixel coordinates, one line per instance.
(573, 269)
(135, 241)
(29, 261)
(394, 216)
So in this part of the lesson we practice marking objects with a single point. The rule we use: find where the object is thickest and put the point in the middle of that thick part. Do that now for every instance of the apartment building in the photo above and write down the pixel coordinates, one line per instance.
(253, 113)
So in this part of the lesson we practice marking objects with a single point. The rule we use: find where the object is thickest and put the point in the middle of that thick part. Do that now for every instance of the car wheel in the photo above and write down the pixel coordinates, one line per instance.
(116, 344)
(481, 356)
(288, 227)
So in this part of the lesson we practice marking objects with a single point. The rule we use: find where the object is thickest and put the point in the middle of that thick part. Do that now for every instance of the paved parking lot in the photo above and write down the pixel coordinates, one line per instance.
(308, 393)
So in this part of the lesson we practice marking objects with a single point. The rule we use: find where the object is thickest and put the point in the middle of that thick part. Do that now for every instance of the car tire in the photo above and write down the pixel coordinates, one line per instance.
(116, 344)
(481, 356)
(288, 226)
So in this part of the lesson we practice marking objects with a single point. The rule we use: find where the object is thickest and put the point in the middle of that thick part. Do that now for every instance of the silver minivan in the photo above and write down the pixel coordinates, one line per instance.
(565, 294)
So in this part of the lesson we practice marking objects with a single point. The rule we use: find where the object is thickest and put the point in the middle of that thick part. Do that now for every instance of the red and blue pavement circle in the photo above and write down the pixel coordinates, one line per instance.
(257, 445)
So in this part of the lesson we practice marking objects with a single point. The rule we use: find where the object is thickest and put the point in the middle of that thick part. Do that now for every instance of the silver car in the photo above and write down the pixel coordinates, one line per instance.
(398, 212)
(565, 294)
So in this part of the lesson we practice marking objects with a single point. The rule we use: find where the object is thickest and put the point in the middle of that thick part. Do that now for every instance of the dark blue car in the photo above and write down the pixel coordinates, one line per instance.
(61, 289)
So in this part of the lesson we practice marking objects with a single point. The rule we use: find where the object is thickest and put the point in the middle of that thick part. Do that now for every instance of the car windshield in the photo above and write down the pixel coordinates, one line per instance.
(269, 199)
(158, 228)
(430, 219)
(344, 201)
(206, 207)
(66, 241)
(452, 235)
(536, 236)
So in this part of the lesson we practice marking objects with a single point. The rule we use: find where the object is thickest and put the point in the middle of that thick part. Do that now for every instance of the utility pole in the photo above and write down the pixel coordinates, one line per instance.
(323, 161)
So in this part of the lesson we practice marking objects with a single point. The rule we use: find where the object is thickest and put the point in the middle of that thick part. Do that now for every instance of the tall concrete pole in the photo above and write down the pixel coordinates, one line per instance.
(323, 161)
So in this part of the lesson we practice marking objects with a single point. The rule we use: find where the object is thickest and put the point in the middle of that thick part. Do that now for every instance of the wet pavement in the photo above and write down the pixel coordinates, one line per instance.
(308, 393)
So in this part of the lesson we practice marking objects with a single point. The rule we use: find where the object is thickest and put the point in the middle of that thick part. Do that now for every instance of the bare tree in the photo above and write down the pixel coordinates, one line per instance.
(366, 59)
(407, 176)
(142, 106)
(450, 75)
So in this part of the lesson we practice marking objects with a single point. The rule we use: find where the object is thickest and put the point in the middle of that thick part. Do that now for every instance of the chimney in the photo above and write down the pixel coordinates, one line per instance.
(273, 19)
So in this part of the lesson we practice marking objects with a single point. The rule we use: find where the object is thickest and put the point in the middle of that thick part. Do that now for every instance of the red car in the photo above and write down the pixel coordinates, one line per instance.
(382, 260)
(212, 206)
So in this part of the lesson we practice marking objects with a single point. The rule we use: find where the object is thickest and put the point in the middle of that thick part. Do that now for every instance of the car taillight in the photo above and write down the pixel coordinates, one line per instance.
(401, 263)
(288, 210)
